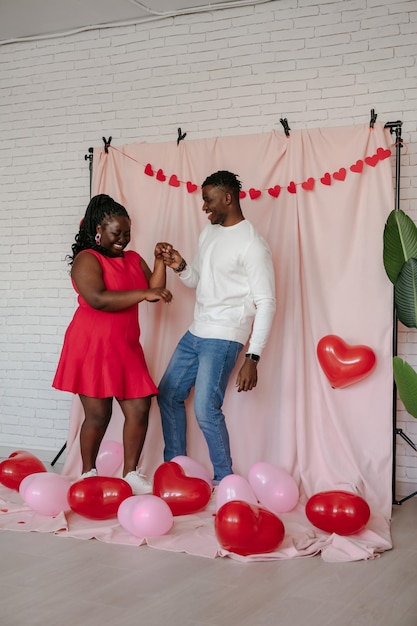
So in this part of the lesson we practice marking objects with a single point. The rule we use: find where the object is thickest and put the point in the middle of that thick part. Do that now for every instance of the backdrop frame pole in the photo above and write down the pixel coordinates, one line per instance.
(395, 128)
(87, 157)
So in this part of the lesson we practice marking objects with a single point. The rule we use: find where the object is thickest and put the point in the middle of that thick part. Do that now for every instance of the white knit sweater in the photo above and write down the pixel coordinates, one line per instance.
(235, 287)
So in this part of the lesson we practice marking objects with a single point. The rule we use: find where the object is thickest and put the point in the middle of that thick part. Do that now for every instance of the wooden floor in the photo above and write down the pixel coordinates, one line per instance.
(47, 579)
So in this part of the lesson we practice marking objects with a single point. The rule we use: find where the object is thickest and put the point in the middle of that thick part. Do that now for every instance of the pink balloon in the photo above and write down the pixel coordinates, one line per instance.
(25, 482)
(109, 458)
(145, 516)
(46, 493)
(274, 487)
(193, 468)
(234, 487)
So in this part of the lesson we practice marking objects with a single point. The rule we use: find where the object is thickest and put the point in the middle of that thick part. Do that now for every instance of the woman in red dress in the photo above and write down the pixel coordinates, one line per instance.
(102, 358)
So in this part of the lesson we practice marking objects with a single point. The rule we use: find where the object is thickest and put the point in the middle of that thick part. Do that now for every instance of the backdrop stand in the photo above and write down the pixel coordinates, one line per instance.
(395, 127)
(87, 157)
(59, 454)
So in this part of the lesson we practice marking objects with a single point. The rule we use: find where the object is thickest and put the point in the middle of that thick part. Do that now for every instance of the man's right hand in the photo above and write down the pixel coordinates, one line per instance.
(172, 258)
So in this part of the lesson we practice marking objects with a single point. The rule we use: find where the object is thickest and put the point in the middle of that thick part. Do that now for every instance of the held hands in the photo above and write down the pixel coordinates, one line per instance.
(161, 248)
(247, 376)
(171, 257)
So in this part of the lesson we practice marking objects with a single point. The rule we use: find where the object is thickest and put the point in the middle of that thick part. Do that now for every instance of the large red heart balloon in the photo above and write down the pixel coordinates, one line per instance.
(344, 364)
(98, 497)
(340, 512)
(183, 494)
(246, 528)
(17, 466)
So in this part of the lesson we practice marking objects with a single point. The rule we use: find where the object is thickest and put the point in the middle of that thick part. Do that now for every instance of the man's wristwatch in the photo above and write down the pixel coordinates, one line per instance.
(252, 357)
(180, 267)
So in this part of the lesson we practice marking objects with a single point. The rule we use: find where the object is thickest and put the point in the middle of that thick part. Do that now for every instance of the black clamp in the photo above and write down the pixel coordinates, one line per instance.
(107, 143)
(180, 136)
(395, 127)
(373, 118)
(89, 156)
(285, 125)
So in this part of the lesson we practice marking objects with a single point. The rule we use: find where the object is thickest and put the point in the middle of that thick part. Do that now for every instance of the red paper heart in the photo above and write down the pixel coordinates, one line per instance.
(383, 154)
(191, 187)
(254, 193)
(246, 529)
(98, 497)
(357, 167)
(344, 364)
(160, 175)
(183, 494)
(339, 512)
(17, 466)
(148, 170)
(372, 160)
(173, 181)
(308, 184)
(274, 191)
(326, 179)
(291, 187)
(340, 174)
(242, 194)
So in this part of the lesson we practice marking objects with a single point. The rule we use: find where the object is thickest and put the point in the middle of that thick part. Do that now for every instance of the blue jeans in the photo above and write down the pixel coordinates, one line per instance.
(205, 364)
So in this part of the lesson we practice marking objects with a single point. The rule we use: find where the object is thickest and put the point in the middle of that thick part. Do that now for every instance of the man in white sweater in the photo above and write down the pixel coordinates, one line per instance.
(233, 276)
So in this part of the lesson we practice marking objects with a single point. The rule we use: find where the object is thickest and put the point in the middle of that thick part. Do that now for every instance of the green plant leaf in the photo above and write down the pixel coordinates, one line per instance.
(405, 294)
(406, 380)
(400, 243)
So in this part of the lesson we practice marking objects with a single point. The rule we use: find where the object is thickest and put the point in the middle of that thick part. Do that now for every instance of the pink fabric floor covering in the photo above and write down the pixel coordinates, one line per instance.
(195, 535)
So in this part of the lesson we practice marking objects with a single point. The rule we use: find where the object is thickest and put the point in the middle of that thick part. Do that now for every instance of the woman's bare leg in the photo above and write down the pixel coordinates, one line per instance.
(97, 413)
(136, 413)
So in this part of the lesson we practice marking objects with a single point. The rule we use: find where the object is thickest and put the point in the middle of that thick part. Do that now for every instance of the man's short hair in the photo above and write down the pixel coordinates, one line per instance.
(225, 179)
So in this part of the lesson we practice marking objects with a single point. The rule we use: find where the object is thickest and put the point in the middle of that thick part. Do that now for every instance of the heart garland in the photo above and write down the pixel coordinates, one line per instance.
(274, 190)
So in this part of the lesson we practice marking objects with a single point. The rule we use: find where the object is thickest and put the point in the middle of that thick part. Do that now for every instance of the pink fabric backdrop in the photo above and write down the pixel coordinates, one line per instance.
(327, 248)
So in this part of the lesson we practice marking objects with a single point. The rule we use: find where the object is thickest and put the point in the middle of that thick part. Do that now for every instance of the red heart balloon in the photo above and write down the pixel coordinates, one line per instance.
(183, 494)
(98, 497)
(340, 512)
(245, 528)
(17, 466)
(344, 364)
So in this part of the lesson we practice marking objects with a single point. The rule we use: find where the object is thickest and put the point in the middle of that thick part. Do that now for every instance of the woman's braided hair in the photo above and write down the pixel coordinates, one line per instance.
(99, 208)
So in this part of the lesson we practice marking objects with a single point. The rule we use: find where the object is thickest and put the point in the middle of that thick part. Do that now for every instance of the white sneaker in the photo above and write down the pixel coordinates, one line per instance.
(138, 483)
(89, 474)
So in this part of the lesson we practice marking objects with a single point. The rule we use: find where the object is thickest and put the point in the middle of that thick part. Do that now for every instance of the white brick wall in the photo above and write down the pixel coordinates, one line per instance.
(229, 72)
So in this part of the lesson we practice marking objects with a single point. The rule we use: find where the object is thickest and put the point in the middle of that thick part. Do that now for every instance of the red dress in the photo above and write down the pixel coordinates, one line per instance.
(101, 356)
